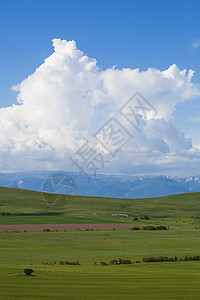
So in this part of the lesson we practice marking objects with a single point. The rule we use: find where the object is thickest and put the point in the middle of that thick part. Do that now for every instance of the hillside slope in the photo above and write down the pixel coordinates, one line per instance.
(19, 206)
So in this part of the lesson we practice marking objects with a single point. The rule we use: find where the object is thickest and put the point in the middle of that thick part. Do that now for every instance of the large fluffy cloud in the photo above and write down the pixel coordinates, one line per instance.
(68, 98)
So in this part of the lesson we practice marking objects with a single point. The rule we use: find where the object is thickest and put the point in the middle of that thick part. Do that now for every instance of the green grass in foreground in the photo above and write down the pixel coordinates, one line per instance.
(177, 280)
(145, 281)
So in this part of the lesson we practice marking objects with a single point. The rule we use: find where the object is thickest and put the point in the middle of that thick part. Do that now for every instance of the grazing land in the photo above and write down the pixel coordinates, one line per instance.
(26, 207)
(45, 252)
(39, 251)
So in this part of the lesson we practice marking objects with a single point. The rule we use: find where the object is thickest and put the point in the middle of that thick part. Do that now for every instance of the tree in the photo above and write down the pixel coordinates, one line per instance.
(28, 271)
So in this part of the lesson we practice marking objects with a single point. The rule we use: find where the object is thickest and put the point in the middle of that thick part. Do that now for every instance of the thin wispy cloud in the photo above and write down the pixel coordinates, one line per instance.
(196, 44)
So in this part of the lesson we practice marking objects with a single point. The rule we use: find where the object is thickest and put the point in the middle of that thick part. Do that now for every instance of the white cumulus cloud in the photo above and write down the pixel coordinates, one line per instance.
(68, 98)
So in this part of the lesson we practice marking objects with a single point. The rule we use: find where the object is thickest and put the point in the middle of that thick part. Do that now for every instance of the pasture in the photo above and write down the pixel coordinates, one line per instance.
(43, 251)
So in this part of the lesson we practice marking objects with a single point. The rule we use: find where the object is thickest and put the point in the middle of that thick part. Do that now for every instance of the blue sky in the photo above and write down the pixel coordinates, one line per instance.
(127, 34)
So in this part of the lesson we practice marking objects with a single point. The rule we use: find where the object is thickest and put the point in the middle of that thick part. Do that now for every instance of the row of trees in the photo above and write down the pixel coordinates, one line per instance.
(159, 259)
(166, 258)
(127, 261)
(4, 213)
(150, 227)
(74, 263)
(120, 262)
(151, 259)
(116, 262)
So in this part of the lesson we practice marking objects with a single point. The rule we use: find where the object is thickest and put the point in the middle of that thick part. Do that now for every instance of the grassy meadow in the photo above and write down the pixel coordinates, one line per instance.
(28, 207)
(43, 251)
(167, 280)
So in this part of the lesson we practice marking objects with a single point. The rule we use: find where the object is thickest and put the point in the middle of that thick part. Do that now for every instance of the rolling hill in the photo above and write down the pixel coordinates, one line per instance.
(18, 206)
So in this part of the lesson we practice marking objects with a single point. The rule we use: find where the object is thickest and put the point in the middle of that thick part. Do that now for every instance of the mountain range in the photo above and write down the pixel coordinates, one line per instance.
(116, 186)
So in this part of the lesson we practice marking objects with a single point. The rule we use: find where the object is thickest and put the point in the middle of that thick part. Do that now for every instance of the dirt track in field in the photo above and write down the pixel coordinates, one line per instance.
(61, 227)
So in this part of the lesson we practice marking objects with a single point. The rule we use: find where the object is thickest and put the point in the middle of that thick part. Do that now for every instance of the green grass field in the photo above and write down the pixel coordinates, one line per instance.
(166, 280)
(27, 207)
(176, 280)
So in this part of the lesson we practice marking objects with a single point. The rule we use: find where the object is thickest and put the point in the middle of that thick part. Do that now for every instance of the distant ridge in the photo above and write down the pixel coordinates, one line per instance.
(117, 186)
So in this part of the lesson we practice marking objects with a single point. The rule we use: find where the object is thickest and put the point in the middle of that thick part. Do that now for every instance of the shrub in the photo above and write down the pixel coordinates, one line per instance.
(161, 227)
(113, 262)
(190, 258)
(28, 271)
(120, 261)
(45, 230)
(158, 259)
(103, 263)
(126, 261)
(76, 263)
(134, 228)
(150, 227)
